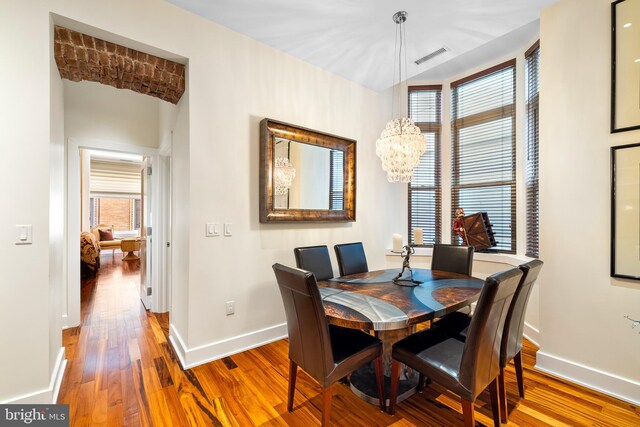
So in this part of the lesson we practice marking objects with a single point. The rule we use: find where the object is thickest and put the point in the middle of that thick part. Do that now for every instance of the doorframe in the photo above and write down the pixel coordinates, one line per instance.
(162, 298)
(71, 308)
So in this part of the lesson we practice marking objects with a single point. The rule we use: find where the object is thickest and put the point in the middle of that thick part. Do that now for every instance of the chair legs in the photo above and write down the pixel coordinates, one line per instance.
(502, 391)
(293, 370)
(380, 382)
(467, 412)
(395, 379)
(517, 361)
(326, 405)
(495, 402)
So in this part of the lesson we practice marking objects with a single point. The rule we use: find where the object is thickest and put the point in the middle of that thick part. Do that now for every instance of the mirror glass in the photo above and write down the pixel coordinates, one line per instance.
(305, 175)
(313, 175)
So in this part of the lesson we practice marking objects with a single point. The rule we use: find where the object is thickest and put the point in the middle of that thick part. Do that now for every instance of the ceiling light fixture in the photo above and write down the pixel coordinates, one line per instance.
(627, 25)
(401, 143)
(283, 174)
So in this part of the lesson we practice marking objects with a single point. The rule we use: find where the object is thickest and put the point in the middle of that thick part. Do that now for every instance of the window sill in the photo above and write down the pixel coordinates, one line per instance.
(513, 260)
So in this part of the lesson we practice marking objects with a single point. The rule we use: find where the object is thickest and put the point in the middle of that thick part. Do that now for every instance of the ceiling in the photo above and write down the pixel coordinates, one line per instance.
(356, 38)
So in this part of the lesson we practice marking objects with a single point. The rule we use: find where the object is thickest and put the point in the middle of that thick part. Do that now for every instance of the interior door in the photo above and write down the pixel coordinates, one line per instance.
(145, 233)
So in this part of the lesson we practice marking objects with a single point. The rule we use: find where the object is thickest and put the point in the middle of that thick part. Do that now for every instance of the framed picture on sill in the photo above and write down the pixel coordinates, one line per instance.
(625, 65)
(625, 211)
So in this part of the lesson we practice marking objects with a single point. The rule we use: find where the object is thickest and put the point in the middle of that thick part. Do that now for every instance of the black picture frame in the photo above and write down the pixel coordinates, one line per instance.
(622, 65)
(625, 211)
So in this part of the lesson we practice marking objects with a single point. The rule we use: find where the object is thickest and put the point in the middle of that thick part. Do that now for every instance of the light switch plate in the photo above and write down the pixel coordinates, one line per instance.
(24, 235)
(212, 229)
(227, 229)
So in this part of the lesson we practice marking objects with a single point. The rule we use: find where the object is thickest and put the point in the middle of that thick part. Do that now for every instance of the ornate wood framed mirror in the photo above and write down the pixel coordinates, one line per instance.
(305, 175)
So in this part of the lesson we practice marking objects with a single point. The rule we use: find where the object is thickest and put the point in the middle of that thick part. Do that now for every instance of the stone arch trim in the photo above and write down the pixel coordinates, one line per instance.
(82, 57)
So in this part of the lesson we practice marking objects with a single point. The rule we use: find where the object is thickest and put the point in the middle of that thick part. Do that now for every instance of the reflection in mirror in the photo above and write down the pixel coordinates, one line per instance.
(307, 176)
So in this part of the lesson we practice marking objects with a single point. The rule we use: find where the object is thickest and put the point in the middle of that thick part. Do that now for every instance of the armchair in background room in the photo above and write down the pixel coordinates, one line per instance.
(104, 236)
(89, 254)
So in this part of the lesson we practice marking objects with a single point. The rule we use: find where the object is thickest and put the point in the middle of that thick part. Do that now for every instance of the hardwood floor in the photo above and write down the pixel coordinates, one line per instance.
(122, 371)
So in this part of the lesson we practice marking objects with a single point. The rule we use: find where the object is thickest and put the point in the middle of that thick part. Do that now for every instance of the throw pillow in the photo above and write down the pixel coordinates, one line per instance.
(106, 234)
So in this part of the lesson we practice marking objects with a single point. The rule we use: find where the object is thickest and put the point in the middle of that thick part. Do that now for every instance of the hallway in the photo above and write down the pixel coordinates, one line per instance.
(117, 359)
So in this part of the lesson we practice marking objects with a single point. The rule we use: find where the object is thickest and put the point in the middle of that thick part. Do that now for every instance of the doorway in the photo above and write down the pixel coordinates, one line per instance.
(152, 223)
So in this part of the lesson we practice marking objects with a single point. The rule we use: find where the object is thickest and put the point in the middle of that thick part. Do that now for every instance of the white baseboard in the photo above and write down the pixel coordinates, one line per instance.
(50, 394)
(178, 345)
(532, 334)
(604, 382)
(191, 357)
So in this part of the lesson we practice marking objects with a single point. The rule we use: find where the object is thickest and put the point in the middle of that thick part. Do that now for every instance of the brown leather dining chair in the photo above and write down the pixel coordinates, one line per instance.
(351, 258)
(452, 258)
(326, 352)
(464, 367)
(457, 324)
(316, 260)
(511, 347)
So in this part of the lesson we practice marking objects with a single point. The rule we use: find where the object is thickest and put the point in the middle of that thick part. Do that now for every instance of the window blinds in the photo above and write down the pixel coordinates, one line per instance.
(114, 178)
(483, 150)
(336, 180)
(424, 189)
(532, 92)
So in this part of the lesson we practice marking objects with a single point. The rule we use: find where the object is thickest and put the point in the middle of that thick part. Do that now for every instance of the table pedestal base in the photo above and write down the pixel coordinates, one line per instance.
(130, 256)
(363, 385)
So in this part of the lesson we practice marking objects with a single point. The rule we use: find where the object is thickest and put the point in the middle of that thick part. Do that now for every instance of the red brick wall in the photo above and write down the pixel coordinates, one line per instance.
(116, 212)
(82, 57)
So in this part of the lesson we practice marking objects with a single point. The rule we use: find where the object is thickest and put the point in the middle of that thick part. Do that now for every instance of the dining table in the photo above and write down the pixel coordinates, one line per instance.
(372, 301)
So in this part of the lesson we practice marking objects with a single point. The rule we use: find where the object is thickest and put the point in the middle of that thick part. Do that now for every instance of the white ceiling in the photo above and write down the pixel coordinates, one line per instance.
(355, 38)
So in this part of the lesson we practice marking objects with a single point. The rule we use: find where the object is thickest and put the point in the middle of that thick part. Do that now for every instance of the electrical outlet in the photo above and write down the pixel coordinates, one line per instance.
(231, 307)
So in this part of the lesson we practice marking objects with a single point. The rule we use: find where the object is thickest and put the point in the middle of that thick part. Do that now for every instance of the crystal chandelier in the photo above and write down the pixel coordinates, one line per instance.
(283, 174)
(401, 143)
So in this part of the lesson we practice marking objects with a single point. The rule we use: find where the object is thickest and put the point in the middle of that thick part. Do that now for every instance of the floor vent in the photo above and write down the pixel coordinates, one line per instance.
(430, 56)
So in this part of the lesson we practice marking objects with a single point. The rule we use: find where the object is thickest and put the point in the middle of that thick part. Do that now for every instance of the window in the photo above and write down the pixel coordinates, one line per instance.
(336, 180)
(424, 188)
(123, 213)
(483, 150)
(532, 93)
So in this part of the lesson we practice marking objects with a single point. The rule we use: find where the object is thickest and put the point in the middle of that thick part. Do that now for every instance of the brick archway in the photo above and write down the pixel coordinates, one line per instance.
(82, 57)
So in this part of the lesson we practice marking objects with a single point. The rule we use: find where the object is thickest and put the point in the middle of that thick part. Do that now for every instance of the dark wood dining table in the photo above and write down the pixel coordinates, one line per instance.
(373, 302)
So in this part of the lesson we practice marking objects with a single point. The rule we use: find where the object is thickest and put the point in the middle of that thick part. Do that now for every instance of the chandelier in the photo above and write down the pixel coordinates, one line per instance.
(283, 174)
(401, 143)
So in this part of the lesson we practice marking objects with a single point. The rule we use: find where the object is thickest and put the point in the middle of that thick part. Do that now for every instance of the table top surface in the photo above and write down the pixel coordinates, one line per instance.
(371, 300)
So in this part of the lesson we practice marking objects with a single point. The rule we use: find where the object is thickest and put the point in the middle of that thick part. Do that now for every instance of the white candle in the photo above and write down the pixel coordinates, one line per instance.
(417, 236)
(397, 243)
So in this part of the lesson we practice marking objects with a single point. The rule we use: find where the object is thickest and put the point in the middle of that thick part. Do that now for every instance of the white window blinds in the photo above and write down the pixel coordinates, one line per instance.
(532, 91)
(424, 189)
(483, 150)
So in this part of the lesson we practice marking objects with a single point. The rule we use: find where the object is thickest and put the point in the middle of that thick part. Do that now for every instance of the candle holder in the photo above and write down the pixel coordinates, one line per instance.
(407, 251)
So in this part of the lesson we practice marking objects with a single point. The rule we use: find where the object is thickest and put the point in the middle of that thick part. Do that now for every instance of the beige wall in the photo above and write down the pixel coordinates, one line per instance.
(30, 159)
(583, 334)
(97, 111)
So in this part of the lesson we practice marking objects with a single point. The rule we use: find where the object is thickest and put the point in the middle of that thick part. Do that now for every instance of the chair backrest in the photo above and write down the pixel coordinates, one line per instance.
(309, 339)
(480, 362)
(514, 324)
(316, 260)
(351, 258)
(452, 258)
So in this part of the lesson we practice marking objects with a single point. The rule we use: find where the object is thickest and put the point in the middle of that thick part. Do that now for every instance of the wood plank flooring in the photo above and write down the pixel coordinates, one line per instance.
(122, 371)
